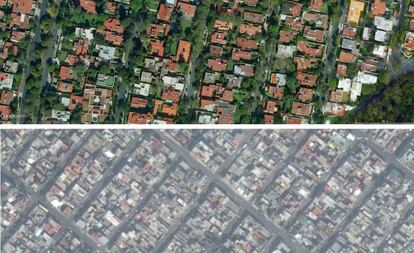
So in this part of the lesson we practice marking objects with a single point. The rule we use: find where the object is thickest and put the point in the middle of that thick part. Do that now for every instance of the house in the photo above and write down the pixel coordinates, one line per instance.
(275, 91)
(246, 70)
(139, 118)
(164, 12)
(218, 38)
(22, 6)
(301, 109)
(305, 94)
(207, 90)
(171, 95)
(346, 57)
(183, 51)
(114, 25)
(237, 55)
(279, 79)
(246, 43)
(316, 5)
(250, 29)
(253, 17)
(6, 97)
(218, 65)
(158, 30)
(88, 5)
(65, 73)
(271, 106)
(156, 48)
(223, 25)
(378, 8)
(187, 9)
(355, 9)
(137, 102)
(313, 34)
(306, 79)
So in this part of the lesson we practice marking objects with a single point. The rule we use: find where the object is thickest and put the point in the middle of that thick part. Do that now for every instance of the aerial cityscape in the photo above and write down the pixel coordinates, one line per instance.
(206, 61)
(275, 191)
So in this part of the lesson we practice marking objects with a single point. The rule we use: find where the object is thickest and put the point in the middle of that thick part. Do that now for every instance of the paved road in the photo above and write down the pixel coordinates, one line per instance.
(21, 110)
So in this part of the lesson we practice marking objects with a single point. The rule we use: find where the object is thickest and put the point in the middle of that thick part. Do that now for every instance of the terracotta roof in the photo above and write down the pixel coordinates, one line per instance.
(186, 8)
(22, 6)
(287, 36)
(65, 87)
(216, 51)
(378, 8)
(346, 57)
(271, 106)
(218, 38)
(246, 43)
(316, 5)
(305, 94)
(114, 25)
(164, 13)
(249, 29)
(238, 55)
(223, 25)
(5, 112)
(227, 95)
(314, 34)
(301, 109)
(218, 65)
(296, 10)
(139, 118)
(207, 90)
(268, 118)
(306, 79)
(74, 101)
(88, 5)
(157, 48)
(341, 70)
(170, 109)
(137, 102)
(65, 73)
(275, 91)
(253, 17)
(170, 94)
(19, 20)
(183, 51)
(6, 97)
(294, 120)
(307, 49)
(158, 30)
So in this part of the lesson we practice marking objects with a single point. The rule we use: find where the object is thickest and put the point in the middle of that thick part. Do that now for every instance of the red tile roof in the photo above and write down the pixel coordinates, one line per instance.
(65, 73)
(218, 65)
(378, 8)
(88, 5)
(306, 79)
(139, 118)
(22, 6)
(170, 94)
(114, 25)
(246, 43)
(316, 5)
(301, 109)
(183, 51)
(164, 13)
(137, 102)
(157, 48)
(186, 8)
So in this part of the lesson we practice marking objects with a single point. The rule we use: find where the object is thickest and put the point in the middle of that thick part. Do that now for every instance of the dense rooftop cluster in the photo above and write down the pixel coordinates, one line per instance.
(207, 191)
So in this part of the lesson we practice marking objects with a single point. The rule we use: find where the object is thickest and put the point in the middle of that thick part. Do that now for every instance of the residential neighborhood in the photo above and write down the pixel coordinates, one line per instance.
(198, 190)
(203, 62)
